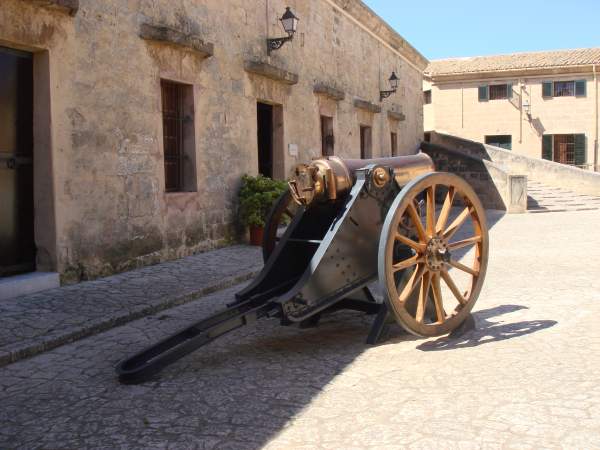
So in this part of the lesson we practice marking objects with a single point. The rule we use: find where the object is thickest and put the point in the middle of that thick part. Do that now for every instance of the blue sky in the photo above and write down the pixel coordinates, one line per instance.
(450, 28)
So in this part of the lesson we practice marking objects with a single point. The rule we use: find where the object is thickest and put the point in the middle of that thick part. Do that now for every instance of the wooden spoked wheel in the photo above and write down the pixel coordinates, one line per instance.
(430, 291)
(279, 218)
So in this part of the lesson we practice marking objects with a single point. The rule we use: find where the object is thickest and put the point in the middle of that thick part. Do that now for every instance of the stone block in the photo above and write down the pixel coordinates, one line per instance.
(171, 36)
(396, 115)
(329, 92)
(69, 6)
(367, 106)
(28, 283)
(272, 72)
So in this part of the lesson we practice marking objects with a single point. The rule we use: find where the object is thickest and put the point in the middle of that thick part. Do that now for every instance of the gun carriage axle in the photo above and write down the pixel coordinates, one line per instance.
(342, 225)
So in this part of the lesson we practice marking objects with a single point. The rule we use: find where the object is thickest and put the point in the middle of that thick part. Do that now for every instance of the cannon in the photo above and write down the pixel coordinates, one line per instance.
(341, 226)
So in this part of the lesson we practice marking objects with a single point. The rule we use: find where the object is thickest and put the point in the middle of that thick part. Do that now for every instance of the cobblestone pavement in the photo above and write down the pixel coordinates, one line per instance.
(527, 377)
(34, 323)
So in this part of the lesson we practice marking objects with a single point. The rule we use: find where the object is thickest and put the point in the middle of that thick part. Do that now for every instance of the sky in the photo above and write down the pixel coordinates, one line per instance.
(455, 28)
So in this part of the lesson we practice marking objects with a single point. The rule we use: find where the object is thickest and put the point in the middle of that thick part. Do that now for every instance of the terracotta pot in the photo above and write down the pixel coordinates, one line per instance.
(256, 235)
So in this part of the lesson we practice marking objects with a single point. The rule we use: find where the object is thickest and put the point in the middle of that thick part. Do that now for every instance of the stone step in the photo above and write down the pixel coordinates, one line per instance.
(543, 198)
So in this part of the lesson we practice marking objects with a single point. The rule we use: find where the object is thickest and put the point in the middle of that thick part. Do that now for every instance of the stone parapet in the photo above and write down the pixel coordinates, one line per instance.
(548, 172)
(495, 187)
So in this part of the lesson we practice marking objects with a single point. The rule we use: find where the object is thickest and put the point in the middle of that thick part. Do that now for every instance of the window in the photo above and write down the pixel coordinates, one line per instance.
(427, 97)
(570, 88)
(365, 142)
(327, 137)
(394, 143)
(502, 141)
(564, 148)
(564, 88)
(495, 92)
(178, 136)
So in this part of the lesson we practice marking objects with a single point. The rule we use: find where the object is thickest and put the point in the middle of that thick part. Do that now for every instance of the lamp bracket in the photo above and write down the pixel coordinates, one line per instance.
(277, 43)
(386, 94)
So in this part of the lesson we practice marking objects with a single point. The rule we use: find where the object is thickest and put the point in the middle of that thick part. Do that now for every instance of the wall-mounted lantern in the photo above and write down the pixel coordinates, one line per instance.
(527, 108)
(394, 80)
(290, 23)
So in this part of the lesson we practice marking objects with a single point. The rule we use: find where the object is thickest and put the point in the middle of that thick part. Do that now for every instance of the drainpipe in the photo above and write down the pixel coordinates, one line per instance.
(595, 168)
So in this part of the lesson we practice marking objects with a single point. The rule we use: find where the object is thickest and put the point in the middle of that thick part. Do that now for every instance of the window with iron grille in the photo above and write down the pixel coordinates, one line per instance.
(564, 88)
(427, 97)
(498, 91)
(178, 136)
(565, 148)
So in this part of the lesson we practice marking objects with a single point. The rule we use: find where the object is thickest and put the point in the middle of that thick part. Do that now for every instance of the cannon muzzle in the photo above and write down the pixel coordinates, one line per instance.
(332, 178)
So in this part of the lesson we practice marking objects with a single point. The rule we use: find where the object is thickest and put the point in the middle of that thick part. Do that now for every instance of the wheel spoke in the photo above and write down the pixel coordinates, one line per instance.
(423, 297)
(464, 243)
(407, 241)
(405, 264)
(445, 212)
(437, 298)
(458, 222)
(430, 210)
(414, 215)
(412, 283)
(464, 268)
(450, 283)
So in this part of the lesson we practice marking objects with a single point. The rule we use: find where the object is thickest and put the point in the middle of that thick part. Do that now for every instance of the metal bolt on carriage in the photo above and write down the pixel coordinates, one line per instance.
(343, 225)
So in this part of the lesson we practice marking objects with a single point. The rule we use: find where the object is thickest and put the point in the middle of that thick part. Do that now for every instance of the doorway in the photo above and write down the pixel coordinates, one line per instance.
(270, 140)
(327, 137)
(365, 142)
(264, 114)
(17, 245)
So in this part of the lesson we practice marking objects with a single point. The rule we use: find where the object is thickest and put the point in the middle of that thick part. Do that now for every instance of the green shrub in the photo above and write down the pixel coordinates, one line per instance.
(257, 196)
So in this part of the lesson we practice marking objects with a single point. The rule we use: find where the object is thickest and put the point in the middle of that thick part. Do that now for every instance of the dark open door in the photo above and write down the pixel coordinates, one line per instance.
(264, 114)
(17, 247)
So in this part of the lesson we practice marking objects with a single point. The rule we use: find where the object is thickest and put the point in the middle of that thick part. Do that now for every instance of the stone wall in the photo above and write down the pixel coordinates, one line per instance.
(103, 63)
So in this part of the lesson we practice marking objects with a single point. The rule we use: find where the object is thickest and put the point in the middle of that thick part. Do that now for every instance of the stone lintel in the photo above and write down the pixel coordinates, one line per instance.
(171, 36)
(396, 115)
(272, 72)
(69, 6)
(330, 92)
(367, 106)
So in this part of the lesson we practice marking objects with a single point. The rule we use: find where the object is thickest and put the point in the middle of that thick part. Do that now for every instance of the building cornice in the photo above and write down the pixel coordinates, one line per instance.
(364, 17)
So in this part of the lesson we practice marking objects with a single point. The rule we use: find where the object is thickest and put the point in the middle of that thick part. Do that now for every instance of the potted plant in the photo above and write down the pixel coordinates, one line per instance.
(257, 196)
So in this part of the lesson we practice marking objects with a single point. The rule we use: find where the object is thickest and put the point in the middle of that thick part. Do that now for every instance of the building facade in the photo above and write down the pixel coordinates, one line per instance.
(131, 123)
(542, 104)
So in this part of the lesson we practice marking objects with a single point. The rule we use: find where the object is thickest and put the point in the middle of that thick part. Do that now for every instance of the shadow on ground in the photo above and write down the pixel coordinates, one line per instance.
(486, 331)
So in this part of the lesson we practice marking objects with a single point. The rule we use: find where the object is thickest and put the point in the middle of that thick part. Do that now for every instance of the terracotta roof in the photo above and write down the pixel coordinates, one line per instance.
(514, 61)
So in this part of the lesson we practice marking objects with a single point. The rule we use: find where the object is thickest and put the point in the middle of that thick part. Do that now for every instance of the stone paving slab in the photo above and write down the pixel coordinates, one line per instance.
(525, 378)
(35, 323)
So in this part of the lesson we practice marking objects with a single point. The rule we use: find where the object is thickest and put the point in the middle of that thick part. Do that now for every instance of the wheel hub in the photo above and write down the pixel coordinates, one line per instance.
(437, 254)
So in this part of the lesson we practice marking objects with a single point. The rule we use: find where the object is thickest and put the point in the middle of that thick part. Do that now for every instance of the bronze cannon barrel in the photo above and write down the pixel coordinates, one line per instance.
(330, 178)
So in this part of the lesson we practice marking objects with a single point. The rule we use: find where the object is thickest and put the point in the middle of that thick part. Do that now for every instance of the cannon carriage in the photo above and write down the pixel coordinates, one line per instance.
(343, 225)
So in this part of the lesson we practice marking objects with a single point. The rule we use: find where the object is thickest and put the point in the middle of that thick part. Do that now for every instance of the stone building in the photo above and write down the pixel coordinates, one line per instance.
(131, 123)
(540, 104)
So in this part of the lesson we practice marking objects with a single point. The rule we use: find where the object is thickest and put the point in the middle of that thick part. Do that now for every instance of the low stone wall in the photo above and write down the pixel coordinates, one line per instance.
(496, 188)
(547, 172)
